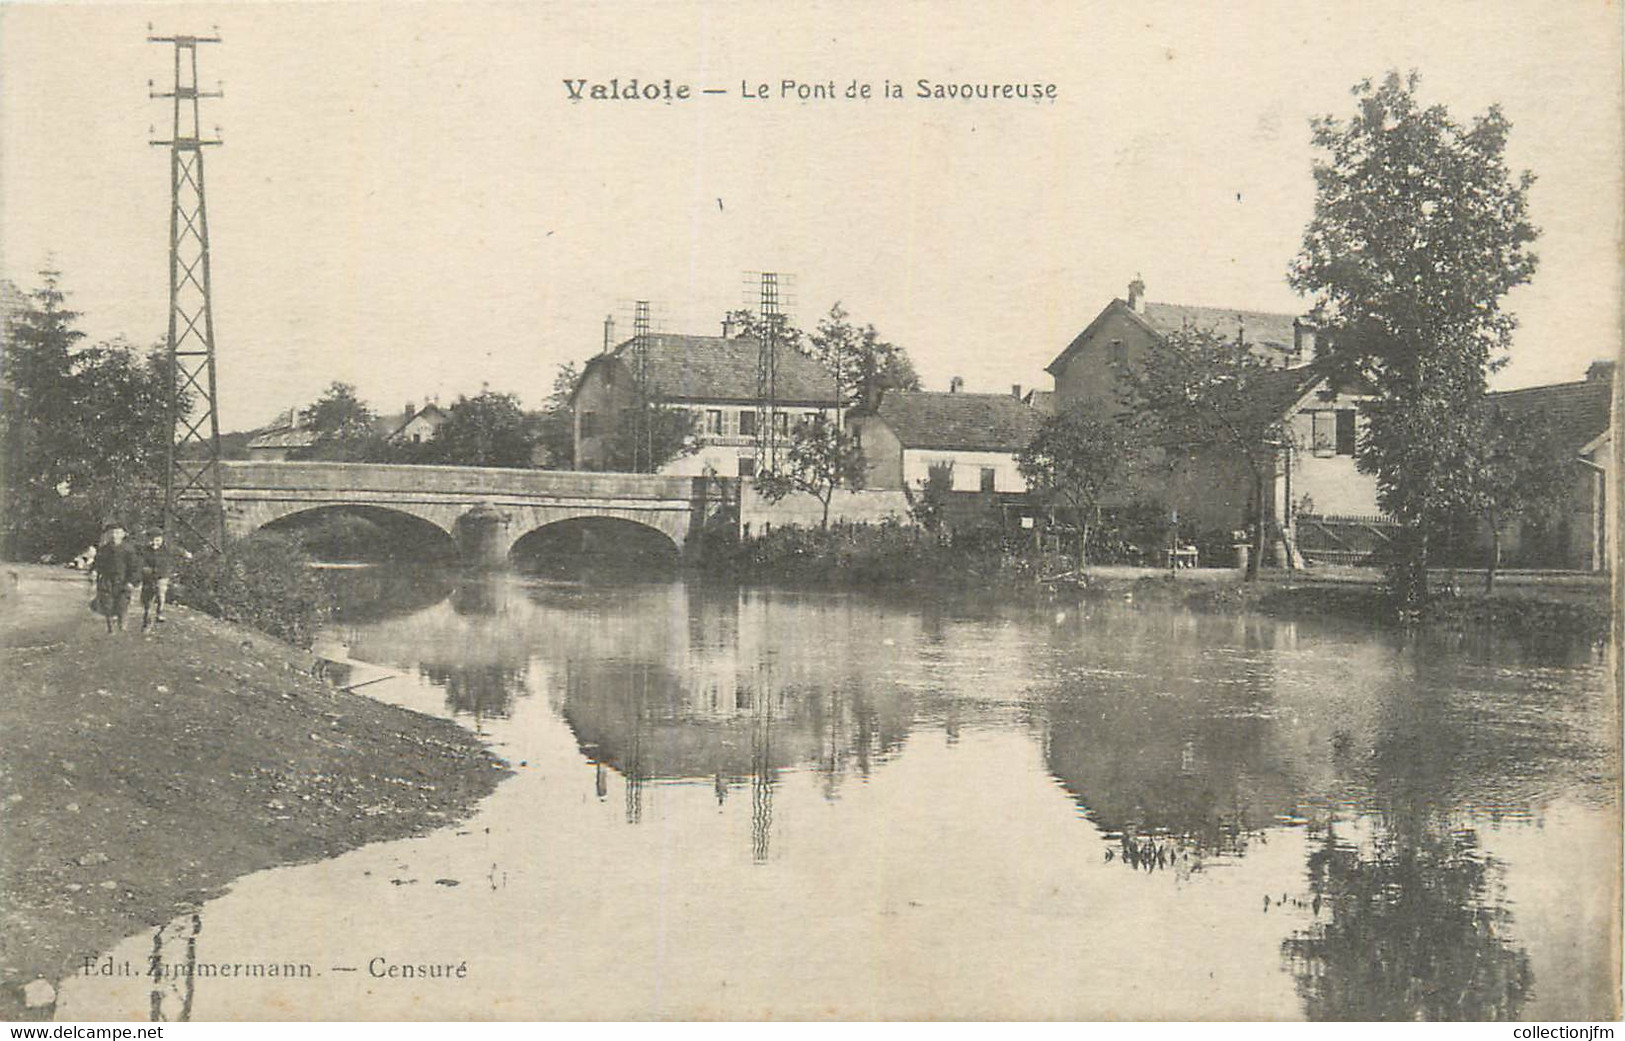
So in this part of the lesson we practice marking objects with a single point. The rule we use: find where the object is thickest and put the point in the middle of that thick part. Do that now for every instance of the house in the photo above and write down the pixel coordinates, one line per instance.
(417, 424)
(975, 437)
(1314, 475)
(1125, 329)
(1579, 414)
(289, 433)
(715, 377)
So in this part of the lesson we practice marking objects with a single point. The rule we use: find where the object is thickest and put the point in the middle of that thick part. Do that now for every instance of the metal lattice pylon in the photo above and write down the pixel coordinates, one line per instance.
(643, 446)
(193, 503)
(767, 374)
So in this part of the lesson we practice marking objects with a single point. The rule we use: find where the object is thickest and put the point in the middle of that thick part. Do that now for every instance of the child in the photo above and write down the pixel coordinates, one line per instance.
(157, 566)
(117, 570)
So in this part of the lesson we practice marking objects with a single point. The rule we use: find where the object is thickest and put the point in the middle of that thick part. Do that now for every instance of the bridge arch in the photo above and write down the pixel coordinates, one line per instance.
(596, 541)
(362, 531)
(484, 510)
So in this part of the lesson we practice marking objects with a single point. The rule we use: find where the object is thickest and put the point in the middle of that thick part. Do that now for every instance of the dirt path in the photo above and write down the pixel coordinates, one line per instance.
(45, 605)
(141, 774)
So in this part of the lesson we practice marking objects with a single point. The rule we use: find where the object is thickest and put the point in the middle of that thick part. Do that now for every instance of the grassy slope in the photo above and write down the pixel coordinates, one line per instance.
(185, 759)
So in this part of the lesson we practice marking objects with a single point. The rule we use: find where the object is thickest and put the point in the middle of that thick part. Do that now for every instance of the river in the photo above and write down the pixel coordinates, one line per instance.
(765, 803)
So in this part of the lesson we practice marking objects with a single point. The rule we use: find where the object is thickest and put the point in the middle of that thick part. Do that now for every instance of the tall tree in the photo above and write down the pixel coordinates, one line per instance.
(862, 364)
(345, 426)
(489, 429)
(786, 332)
(1197, 391)
(1419, 230)
(555, 424)
(84, 430)
(820, 458)
(1076, 461)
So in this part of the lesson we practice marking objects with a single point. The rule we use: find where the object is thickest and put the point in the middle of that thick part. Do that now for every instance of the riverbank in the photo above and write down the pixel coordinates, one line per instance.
(140, 775)
(888, 558)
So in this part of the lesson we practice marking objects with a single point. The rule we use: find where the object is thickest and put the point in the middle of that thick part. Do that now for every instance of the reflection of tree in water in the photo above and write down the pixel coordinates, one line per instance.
(1170, 780)
(484, 691)
(1407, 928)
(371, 594)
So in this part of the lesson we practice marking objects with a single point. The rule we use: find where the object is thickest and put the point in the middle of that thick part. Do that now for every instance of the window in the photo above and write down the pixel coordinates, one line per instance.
(589, 424)
(781, 423)
(713, 421)
(1345, 431)
(1324, 439)
(811, 418)
(747, 465)
(1116, 353)
(988, 476)
(747, 426)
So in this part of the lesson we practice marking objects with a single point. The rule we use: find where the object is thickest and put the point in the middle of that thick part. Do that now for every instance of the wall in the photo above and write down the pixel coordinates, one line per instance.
(605, 389)
(1575, 540)
(1332, 482)
(720, 453)
(917, 463)
(881, 450)
(1088, 376)
(863, 507)
(1212, 489)
(608, 388)
(420, 427)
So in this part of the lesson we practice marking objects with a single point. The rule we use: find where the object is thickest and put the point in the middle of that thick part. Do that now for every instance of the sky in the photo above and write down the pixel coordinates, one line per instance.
(408, 200)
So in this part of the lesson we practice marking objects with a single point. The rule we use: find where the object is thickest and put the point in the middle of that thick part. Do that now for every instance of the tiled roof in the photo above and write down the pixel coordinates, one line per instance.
(1578, 411)
(1273, 391)
(1271, 332)
(390, 426)
(1042, 400)
(284, 437)
(1263, 328)
(716, 368)
(968, 422)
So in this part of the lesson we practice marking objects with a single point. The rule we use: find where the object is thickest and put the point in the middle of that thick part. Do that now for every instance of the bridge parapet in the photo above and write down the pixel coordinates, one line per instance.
(501, 504)
(453, 480)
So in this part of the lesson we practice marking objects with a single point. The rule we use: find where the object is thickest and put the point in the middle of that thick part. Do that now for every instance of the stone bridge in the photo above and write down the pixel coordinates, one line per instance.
(485, 510)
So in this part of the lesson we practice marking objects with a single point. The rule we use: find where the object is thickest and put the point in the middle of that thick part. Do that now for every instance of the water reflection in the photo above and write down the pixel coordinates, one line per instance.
(1025, 792)
(1407, 927)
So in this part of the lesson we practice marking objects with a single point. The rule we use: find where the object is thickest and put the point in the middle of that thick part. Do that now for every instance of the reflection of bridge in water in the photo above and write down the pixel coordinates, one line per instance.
(484, 510)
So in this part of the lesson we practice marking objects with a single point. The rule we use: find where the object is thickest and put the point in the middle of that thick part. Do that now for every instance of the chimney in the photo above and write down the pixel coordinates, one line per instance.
(408, 412)
(1303, 340)
(956, 385)
(1136, 295)
(1600, 372)
(729, 328)
(609, 333)
(1015, 391)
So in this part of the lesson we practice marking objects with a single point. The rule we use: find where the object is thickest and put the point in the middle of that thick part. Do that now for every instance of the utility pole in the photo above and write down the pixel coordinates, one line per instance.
(643, 443)
(192, 492)
(767, 373)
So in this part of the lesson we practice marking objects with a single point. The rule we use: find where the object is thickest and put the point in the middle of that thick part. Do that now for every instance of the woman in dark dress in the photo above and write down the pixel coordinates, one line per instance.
(117, 570)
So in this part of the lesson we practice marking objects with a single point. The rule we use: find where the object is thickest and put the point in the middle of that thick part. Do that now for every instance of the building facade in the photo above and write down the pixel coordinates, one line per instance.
(1579, 415)
(1313, 472)
(973, 438)
(418, 424)
(714, 378)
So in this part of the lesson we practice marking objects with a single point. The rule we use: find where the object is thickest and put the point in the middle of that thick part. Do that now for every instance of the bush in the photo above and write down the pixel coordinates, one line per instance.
(264, 582)
(888, 553)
